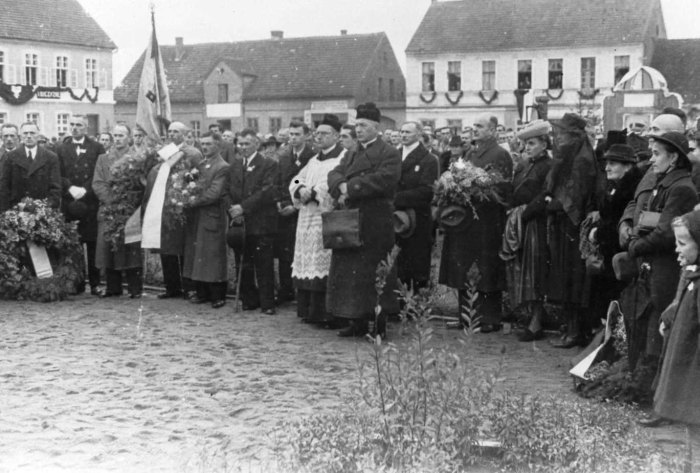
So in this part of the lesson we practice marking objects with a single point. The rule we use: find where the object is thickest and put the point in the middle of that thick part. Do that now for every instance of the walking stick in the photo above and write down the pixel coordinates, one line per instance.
(240, 270)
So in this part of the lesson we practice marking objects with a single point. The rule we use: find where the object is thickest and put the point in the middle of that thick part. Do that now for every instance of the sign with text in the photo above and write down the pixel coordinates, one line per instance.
(48, 94)
(40, 260)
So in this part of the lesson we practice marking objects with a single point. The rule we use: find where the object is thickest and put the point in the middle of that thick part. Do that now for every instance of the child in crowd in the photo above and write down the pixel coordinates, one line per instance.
(678, 383)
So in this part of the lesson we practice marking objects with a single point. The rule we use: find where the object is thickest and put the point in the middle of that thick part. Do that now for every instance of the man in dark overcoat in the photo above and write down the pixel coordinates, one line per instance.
(478, 240)
(172, 236)
(291, 161)
(251, 197)
(10, 139)
(30, 171)
(419, 171)
(205, 233)
(78, 157)
(366, 179)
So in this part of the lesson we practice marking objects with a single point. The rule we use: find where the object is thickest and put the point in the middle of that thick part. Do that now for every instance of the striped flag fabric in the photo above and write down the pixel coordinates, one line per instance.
(153, 113)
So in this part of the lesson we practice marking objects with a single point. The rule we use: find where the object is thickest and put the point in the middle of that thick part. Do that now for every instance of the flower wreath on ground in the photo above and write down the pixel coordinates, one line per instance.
(35, 221)
(464, 183)
(184, 187)
(128, 181)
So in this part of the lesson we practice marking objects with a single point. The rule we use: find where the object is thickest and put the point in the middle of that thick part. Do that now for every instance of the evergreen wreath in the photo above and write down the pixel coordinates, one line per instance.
(35, 221)
(455, 101)
(430, 100)
(488, 101)
(561, 92)
(588, 94)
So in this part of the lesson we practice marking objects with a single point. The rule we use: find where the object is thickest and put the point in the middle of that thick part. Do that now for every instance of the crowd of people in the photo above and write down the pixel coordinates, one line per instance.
(580, 222)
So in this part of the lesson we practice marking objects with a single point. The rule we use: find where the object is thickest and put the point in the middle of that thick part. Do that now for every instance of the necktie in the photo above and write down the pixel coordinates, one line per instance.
(29, 153)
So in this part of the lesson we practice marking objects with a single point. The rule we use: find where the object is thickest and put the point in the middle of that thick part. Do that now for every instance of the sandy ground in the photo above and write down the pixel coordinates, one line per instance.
(150, 385)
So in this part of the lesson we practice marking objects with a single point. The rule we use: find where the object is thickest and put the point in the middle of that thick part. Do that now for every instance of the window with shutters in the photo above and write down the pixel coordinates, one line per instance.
(91, 73)
(61, 72)
(525, 74)
(275, 125)
(196, 127)
(488, 75)
(430, 123)
(622, 67)
(2, 67)
(556, 73)
(428, 77)
(380, 88)
(31, 69)
(588, 73)
(3, 118)
(392, 90)
(62, 121)
(454, 76)
(253, 123)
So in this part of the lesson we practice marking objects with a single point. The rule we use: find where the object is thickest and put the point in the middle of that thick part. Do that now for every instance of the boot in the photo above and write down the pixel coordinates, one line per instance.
(573, 336)
(534, 329)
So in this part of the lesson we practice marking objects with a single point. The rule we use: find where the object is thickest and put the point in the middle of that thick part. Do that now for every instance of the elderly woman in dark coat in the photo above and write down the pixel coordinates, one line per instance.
(366, 179)
(678, 384)
(647, 233)
(528, 182)
(609, 204)
(568, 188)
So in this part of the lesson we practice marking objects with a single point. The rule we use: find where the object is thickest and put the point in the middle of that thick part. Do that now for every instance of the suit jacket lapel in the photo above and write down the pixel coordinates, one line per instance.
(481, 150)
(23, 160)
(413, 158)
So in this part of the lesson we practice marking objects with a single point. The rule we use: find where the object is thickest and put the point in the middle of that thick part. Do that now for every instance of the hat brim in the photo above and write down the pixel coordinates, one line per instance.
(619, 158)
(670, 143)
(404, 223)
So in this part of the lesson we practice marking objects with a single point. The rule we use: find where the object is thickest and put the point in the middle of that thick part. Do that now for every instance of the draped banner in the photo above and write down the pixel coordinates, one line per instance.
(19, 94)
(153, 216)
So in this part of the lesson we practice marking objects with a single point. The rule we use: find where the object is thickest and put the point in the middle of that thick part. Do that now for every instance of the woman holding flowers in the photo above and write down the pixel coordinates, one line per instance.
(113, 169)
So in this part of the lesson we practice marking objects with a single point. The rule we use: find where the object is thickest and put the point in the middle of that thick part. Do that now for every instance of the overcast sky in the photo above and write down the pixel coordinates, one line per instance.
(127, 22)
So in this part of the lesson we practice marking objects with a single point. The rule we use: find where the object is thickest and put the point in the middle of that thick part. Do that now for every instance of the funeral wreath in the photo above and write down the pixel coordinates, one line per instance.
(34, 221)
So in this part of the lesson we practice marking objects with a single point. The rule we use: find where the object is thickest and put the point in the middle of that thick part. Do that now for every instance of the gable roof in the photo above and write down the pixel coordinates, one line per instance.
(500, 25)
(52, 21)
(679, 61)
(312, 67)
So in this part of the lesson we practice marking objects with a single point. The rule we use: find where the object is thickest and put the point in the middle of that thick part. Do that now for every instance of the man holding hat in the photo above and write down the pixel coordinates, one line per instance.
(291, 161)
(309, 192)
(478, 241)
(78, 156)
(419, 171)
(366, 179)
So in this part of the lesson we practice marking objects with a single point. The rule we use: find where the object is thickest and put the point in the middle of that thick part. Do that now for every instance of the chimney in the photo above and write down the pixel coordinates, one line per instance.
(343, 32)
(277, 34)
(179, 48)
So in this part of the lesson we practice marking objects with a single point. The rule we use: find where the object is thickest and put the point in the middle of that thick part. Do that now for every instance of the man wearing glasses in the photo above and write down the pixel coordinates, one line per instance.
(291, 161)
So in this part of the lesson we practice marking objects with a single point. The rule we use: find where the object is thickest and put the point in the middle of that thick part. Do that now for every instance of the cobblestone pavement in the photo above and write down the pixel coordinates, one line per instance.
(100, 385)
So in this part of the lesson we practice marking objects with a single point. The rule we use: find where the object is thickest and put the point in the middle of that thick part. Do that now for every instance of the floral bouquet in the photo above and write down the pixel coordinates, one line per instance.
(183, 189)
(465, 183)
(127, 183)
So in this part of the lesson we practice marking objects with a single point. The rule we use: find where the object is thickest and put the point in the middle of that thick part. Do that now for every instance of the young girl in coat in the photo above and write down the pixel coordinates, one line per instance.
(678, 384)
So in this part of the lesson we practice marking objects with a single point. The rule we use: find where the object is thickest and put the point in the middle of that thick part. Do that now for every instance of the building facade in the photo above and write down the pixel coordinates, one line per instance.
(265, 84)
(63, 69)
(464, 59)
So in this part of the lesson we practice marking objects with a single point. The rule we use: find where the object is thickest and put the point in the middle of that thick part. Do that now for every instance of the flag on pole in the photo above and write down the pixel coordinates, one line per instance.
(153, 113)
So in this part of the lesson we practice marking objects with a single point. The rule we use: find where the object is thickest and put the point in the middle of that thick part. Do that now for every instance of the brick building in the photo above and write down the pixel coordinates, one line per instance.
(265, 84)
(54, 60)
(465, 58)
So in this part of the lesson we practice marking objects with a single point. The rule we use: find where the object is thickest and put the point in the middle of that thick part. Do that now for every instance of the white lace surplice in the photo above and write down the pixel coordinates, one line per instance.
(311, 259)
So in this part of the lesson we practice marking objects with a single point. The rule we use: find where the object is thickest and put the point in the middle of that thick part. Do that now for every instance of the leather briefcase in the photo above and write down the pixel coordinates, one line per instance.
(648, 221)
(341, 229)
